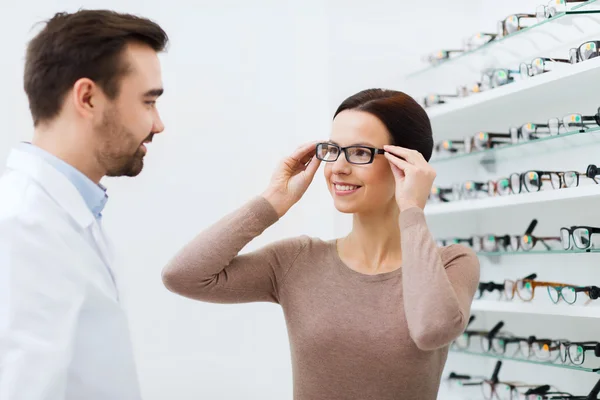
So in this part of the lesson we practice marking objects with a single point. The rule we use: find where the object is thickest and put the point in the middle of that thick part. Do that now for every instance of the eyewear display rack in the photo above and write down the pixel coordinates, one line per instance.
(565, 89)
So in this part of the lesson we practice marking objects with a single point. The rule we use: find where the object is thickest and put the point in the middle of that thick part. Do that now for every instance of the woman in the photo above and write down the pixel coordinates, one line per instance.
(369, 315)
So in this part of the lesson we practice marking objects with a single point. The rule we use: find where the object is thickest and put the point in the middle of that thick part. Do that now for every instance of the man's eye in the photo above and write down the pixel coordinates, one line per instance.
(151, 103)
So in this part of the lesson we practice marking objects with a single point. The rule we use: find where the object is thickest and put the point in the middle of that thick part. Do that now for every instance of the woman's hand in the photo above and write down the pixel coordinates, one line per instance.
(292, 177)
(414, 176)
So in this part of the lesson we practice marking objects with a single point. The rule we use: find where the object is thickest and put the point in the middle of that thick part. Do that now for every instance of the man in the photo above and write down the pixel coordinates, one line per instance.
(92, 79)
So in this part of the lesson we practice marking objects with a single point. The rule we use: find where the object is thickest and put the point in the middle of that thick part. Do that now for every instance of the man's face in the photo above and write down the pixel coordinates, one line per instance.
(131, 120)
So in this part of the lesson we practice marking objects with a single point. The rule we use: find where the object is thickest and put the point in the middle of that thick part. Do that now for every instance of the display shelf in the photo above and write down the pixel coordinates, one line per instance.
(522, 360)
(528, 148)
(532, 252)
(520, 307)
(578, 75)
(545, 196)
(514, 47)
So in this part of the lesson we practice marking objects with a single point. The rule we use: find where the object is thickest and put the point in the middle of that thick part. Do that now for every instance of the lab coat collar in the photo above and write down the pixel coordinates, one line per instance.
(54, 182)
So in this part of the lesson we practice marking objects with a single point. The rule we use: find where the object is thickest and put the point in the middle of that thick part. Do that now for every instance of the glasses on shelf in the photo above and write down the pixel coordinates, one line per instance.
(569, 293)
(584, 52)
(539, 66)
(434, 99)
(574, 352)
(360, 155)
(553, 8)
(478, 40)
(497, 77)
(512, 23)
(489, 287)
(579, 237)
(440, 55)
(503, 390)
(510, 286)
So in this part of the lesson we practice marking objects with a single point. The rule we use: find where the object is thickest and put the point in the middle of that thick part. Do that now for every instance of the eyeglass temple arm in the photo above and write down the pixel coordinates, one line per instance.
(494, 378)
(495, 330)
(454, 375)
(539, 390)
(532, 224)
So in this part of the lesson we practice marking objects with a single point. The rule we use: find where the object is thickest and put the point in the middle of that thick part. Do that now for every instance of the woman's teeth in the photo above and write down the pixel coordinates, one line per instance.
(345, 188)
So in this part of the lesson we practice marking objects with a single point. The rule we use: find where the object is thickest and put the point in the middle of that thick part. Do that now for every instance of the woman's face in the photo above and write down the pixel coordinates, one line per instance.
(360, 188)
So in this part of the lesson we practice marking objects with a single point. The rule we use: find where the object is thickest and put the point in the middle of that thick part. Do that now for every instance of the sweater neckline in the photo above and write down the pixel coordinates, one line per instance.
(353, 274)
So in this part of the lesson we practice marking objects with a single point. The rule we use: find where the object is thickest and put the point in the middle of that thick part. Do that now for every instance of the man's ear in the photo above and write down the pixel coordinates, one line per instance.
(86, 97)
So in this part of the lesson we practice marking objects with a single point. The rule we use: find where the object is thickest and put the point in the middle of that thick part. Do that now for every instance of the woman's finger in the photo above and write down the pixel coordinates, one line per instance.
(312, 167)
(304, 151)
(412, 156)
(398, 162)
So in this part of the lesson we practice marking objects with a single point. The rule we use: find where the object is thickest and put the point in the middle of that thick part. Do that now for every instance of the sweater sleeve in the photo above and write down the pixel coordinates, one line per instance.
(438, 283)
(209, 268)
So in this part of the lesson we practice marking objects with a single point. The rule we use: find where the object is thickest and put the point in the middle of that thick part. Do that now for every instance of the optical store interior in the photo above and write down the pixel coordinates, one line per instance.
(511, 91)
(515, 120)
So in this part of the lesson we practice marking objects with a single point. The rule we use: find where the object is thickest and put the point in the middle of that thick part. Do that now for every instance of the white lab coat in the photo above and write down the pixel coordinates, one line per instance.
(63, 333)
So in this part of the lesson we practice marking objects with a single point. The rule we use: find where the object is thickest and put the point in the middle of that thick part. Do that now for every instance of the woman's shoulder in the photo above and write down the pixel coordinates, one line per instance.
(458, 253)
(302, 244)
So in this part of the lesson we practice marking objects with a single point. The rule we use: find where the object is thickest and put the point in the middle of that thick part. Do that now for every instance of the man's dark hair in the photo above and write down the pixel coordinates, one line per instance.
(406, 121)
(84, 44)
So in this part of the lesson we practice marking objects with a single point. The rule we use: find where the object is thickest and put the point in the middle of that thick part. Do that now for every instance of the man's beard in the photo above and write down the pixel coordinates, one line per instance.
(120, 153)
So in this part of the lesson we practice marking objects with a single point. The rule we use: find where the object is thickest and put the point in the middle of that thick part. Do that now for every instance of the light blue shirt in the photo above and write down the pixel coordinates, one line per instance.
(93, 194)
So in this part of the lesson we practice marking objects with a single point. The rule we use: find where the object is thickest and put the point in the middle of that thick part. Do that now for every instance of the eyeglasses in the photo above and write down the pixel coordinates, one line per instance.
(512, 23)
(479, 141)
(573, 122)
(569, 293)
(532, 181)
(538, 66)
(502, 390)
(434, 99)
(552, 9)
(479, 39)
(440, 56)
(578, 237)
(584, 52)
(575, 352)
(360, 155)
(497, 77)
(489, 287)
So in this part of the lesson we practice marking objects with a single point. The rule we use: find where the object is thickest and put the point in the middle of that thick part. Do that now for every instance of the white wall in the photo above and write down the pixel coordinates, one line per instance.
(246, 82)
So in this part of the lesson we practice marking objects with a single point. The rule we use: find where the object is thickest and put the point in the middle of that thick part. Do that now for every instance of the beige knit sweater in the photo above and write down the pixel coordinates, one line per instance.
(352, 336)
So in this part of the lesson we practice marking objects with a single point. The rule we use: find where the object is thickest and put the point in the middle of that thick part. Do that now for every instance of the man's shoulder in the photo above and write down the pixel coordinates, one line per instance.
(22, 200)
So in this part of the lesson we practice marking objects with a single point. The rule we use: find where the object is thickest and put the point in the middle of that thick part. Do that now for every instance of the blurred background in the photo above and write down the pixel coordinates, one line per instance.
(246, 82)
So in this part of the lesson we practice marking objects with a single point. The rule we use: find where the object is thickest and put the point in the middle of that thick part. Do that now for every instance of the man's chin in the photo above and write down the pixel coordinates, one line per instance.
(133, 168)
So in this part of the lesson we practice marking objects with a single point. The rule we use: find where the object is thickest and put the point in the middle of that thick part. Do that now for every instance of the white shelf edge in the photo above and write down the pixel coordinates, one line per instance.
(511, 89)
(512, 200)
(517, 307)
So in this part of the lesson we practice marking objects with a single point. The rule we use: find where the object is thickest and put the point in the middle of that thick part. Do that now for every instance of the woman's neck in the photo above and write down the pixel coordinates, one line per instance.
(373, 246)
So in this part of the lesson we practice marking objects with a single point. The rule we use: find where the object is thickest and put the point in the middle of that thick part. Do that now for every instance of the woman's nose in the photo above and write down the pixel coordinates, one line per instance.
(341, 165)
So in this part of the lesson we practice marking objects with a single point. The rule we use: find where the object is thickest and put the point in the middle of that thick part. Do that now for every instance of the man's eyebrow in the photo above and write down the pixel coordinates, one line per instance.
(154, 92)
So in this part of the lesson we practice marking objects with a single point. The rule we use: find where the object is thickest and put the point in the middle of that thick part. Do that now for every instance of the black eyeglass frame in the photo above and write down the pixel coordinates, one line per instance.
(374, 151)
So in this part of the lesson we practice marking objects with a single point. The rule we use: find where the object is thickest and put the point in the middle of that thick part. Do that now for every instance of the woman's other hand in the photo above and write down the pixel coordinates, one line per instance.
(414, 176)
(292, 178)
